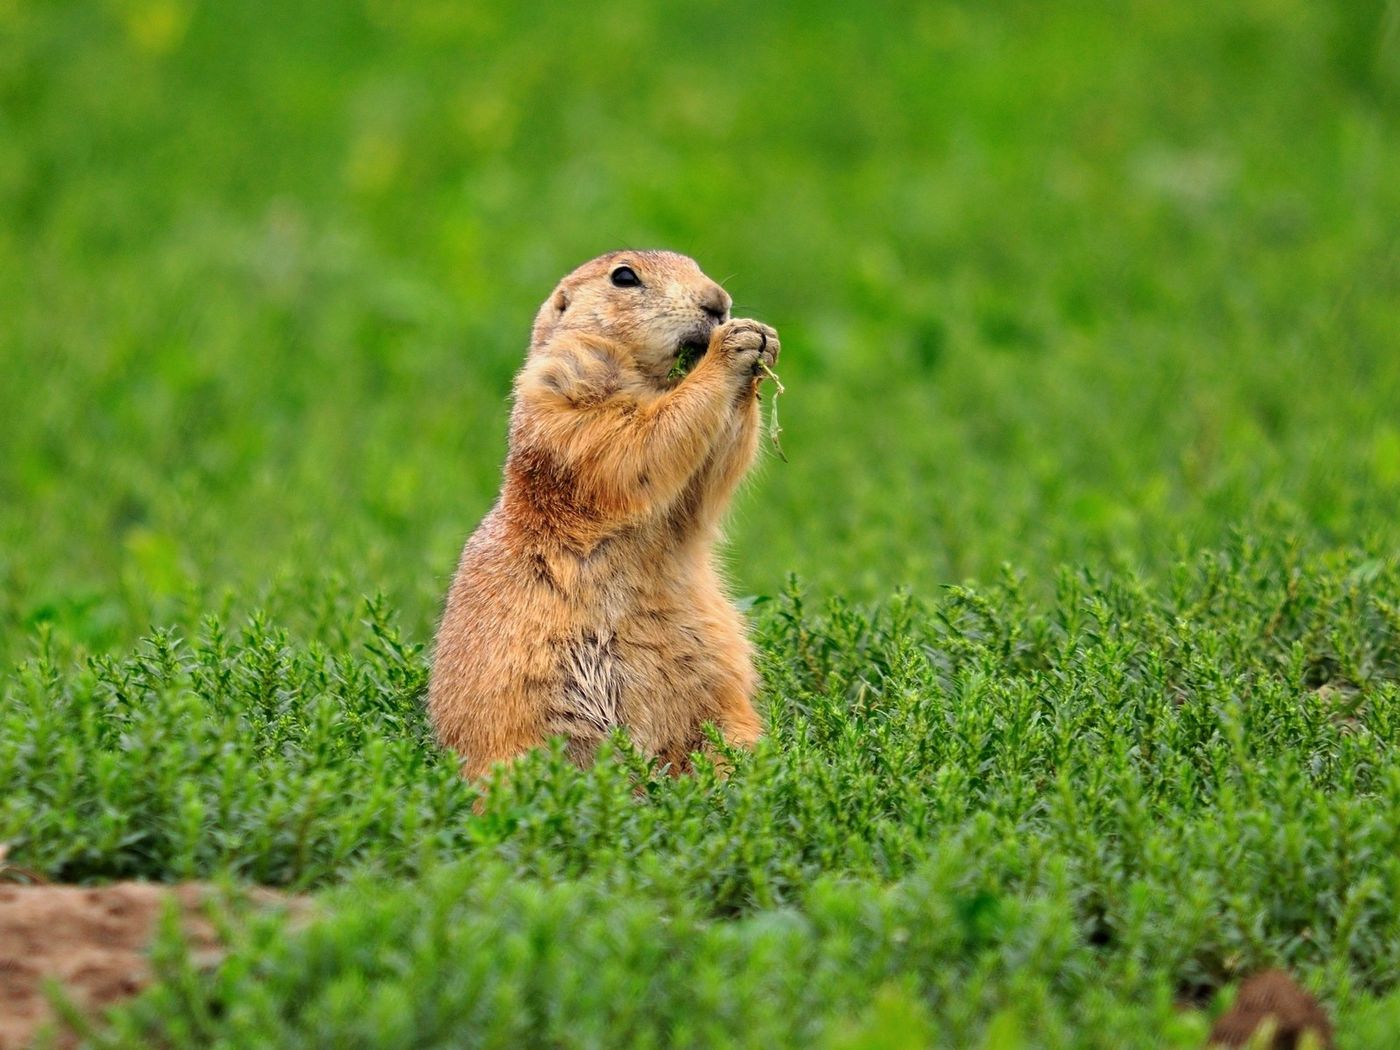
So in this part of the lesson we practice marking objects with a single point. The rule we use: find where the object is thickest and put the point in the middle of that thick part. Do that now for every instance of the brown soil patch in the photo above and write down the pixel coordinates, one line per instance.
(93, 941)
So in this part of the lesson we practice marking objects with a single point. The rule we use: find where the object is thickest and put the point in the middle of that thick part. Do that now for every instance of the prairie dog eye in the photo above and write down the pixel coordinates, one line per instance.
(626, 277)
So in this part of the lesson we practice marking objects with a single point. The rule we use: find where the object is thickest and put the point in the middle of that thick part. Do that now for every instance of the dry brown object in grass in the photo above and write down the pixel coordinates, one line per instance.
(1273, 998)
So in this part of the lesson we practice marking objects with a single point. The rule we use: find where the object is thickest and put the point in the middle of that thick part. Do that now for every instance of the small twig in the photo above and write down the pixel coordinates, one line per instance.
(774, 427)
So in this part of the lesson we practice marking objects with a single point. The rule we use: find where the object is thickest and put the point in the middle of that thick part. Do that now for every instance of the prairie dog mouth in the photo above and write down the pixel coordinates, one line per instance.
(689, 349)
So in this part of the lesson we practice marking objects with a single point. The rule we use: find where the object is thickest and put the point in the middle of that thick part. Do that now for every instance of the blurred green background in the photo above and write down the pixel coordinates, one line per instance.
(1090, 281)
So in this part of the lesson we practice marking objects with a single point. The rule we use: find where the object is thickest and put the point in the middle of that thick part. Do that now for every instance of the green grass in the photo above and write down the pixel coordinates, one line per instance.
(1105, 293)
(1054, 820)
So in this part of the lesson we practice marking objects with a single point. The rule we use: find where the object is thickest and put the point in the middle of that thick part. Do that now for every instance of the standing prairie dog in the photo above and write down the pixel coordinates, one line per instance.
(588, 597)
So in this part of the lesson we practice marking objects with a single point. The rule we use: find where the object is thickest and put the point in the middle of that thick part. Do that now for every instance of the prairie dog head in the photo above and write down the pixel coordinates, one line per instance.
(654, 304)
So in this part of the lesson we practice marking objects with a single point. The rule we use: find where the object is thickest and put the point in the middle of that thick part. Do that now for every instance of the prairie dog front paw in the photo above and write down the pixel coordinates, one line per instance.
(743, 344)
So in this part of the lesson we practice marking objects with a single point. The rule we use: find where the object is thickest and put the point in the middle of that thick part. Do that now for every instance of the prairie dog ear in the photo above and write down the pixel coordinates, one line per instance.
(548, 317)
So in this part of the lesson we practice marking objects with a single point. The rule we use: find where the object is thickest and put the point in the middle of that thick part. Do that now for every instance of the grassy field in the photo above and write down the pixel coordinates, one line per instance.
(1078, 598)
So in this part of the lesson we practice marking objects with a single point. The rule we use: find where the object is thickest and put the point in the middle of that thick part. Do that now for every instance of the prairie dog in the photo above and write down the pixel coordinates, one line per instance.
(588, 597)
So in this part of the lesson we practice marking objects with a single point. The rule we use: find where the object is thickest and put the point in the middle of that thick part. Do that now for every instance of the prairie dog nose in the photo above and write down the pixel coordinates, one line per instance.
(715, 301)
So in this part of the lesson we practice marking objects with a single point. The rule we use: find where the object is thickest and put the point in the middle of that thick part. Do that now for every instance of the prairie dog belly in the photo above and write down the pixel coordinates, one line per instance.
(654, 662)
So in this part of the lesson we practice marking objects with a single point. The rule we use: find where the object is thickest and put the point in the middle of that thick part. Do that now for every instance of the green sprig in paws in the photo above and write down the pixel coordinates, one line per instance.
(775, 429)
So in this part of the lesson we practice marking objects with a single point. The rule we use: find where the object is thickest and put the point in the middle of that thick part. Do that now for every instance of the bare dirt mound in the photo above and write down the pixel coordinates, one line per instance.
(92, 940)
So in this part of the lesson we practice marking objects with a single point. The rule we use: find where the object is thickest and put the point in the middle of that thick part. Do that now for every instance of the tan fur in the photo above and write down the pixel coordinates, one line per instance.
(588, 597)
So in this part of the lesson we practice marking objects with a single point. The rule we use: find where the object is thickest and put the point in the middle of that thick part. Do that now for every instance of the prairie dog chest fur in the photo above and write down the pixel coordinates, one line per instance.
(588, 598)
